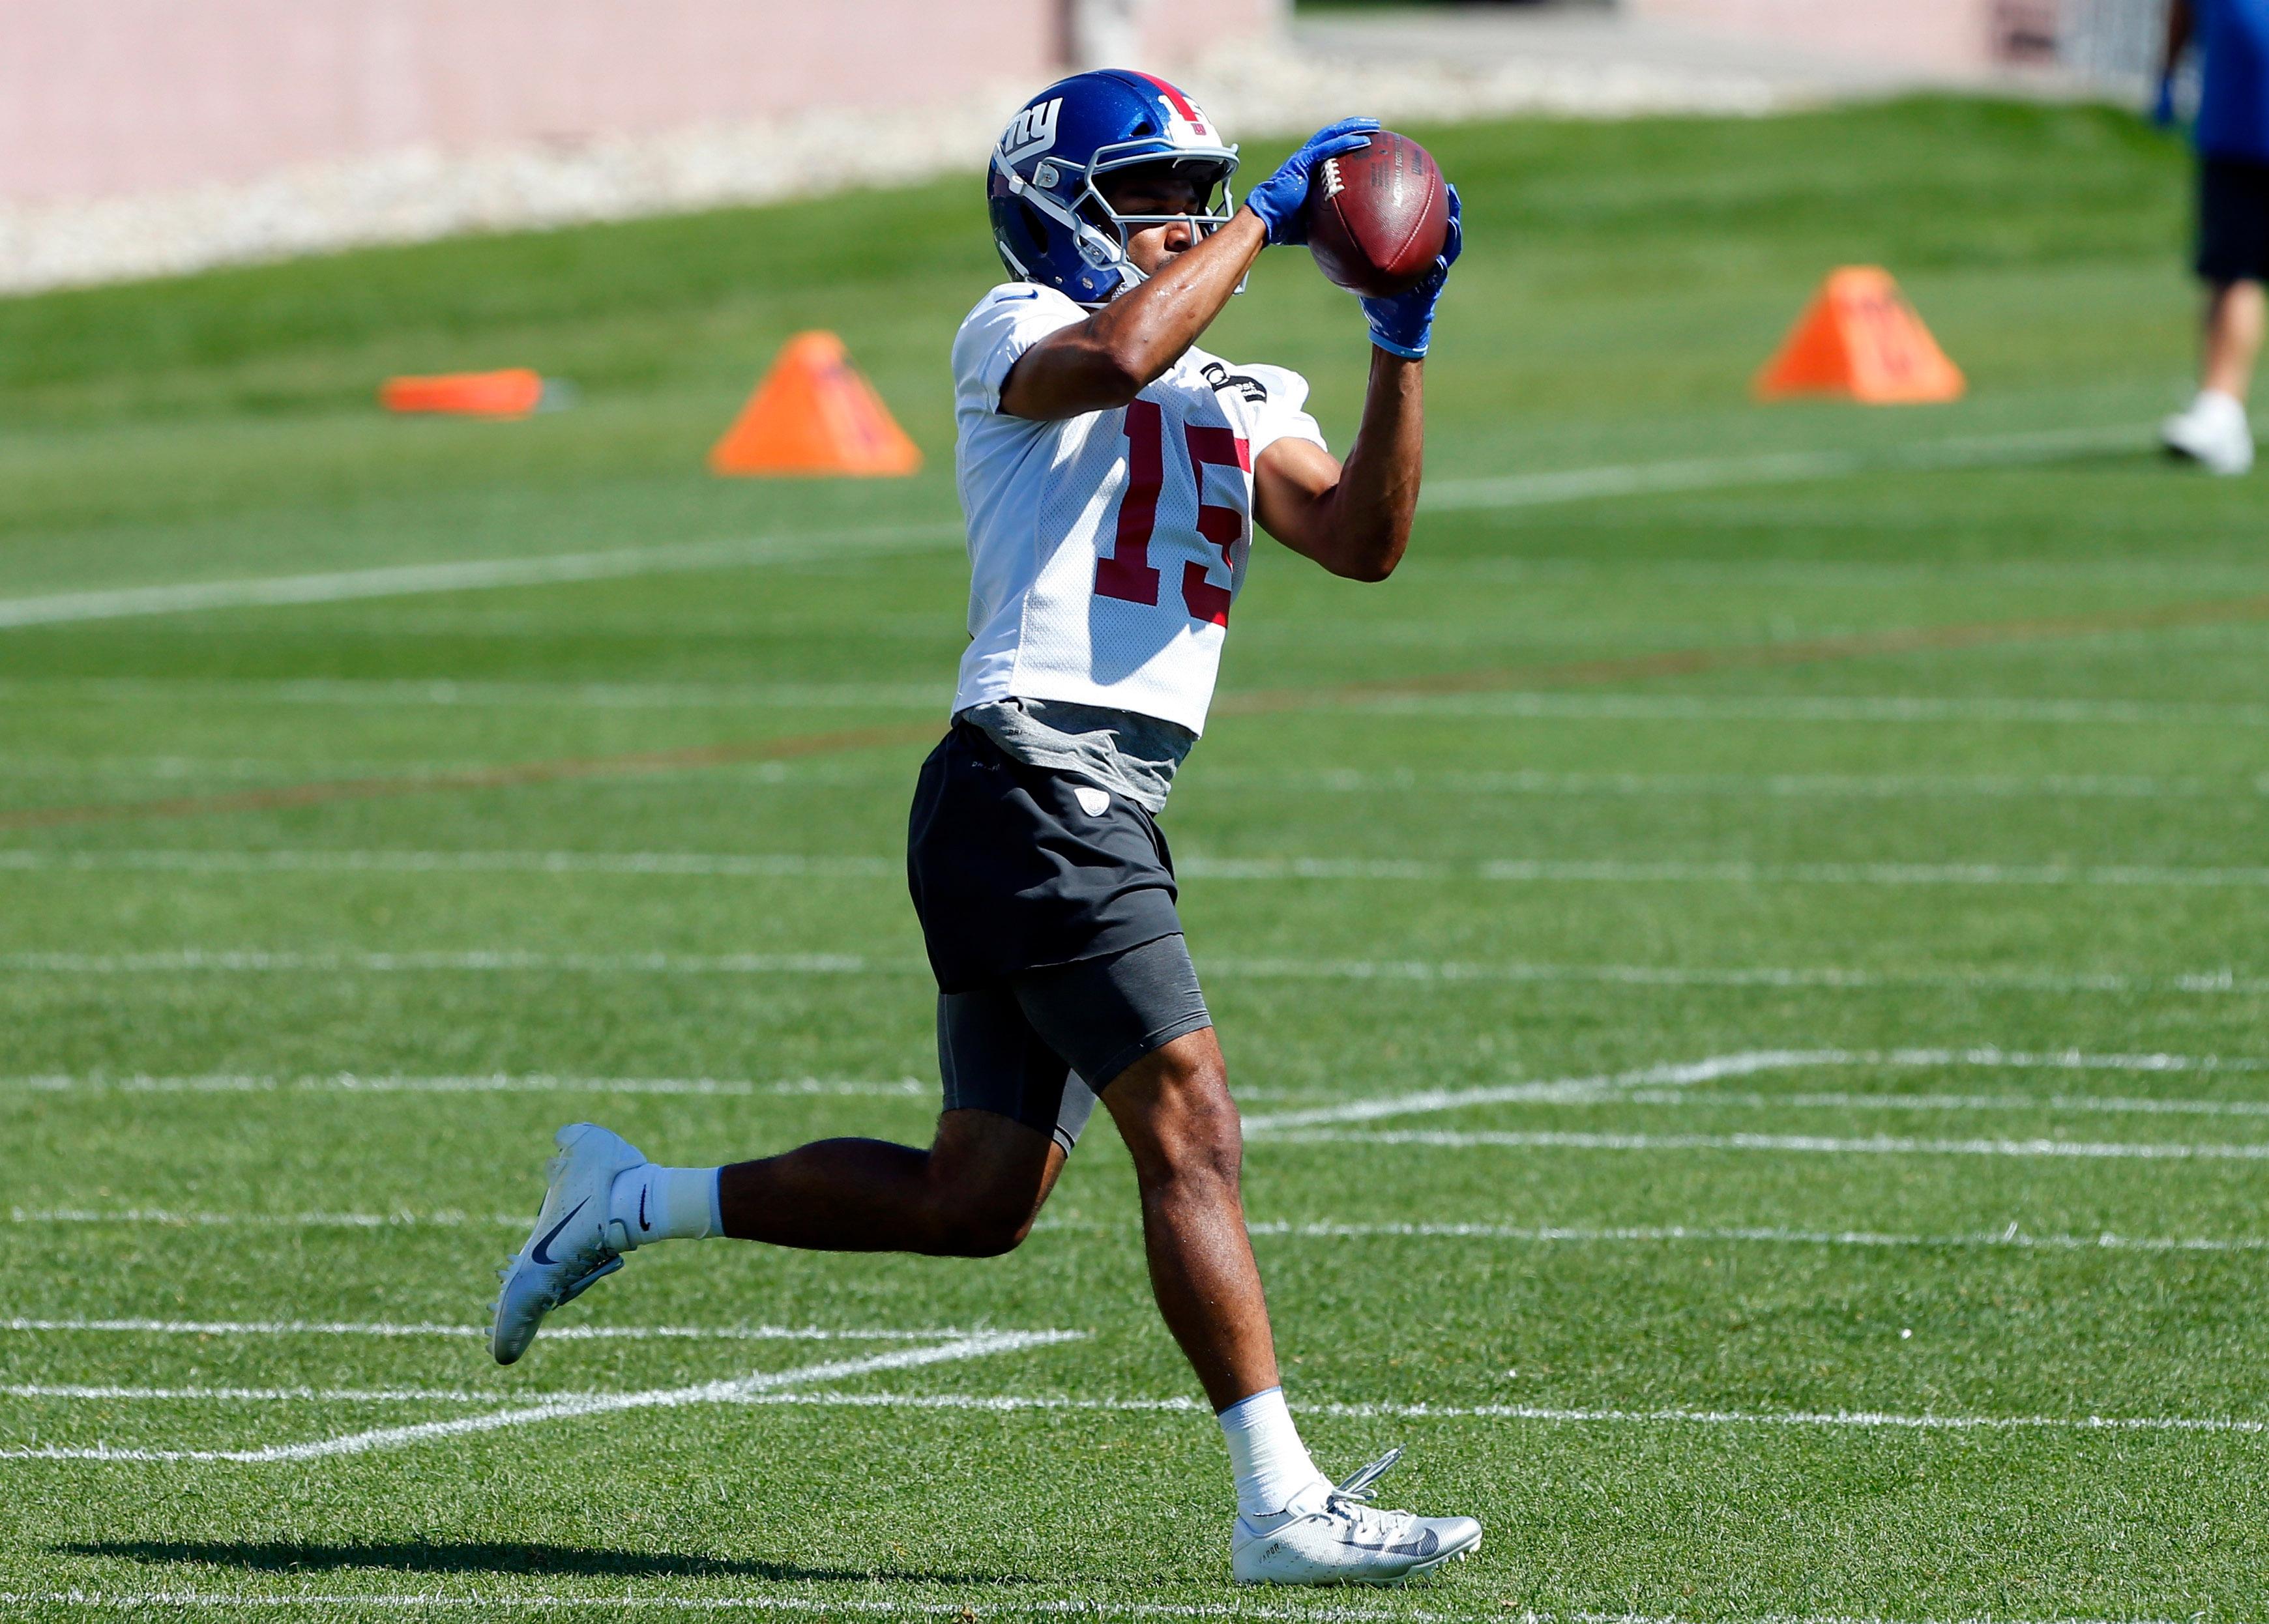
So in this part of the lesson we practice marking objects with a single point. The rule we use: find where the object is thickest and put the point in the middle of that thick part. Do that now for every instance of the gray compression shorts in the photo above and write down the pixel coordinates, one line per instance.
(1038, 1046)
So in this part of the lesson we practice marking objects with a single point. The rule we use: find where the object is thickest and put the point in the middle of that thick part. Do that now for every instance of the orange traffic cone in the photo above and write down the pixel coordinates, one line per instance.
(513, 393)
(814, 414)
(1861, 338)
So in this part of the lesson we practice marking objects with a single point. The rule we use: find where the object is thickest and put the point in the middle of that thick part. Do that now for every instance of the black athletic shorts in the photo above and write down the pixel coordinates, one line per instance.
(1014, 867)
(2233, 226)
(1039, 1046)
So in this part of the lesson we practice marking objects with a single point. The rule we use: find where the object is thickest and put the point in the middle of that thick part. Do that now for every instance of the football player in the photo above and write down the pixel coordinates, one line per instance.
(1111, 473)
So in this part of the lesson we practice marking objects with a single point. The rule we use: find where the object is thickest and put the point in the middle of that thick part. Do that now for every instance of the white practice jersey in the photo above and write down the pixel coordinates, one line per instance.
(1105, 551)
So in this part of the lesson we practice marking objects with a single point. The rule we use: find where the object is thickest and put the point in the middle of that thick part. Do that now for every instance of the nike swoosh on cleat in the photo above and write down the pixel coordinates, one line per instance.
(1425, 1545)
(538, 1251)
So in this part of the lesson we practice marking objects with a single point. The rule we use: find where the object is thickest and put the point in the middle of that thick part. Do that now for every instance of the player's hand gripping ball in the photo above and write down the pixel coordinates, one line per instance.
(1281, 200)
(1403, 324)
(1378, 216)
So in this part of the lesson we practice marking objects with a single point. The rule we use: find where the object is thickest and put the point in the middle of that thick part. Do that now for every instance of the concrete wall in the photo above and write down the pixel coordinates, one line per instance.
(107, 98)
(1954, 36)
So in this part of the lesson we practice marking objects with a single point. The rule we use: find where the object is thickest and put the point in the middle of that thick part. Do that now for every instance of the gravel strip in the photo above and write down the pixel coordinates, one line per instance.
(421, 194)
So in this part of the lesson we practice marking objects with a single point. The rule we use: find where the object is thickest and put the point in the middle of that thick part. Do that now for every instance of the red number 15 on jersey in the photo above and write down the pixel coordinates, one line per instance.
(1125, 572)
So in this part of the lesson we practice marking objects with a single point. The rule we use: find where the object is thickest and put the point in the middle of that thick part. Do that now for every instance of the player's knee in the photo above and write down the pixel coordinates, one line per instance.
(980, 1235)
(1196, 1133)
(980, 1224)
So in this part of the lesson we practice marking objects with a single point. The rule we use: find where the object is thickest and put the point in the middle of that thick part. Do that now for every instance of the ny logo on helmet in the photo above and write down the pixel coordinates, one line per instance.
(1032, 130)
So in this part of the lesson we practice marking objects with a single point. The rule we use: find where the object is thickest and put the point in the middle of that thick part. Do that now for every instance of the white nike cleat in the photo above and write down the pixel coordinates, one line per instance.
(1338, 1537)
(570, 1248)
(2213, 432)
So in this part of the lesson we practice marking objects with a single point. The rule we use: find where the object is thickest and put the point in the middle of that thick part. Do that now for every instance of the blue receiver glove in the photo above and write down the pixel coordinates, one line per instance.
(1281, 200)
(2163, 105)
(1403, 324)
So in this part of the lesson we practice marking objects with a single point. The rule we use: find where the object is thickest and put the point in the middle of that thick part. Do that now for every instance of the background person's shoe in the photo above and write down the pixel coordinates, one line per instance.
(1340, 1539)
(2212, 431)
(568, 1249)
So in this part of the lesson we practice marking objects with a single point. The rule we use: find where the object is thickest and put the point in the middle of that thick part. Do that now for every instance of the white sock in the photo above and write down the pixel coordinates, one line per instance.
(650, 1203)
(1271, 1464)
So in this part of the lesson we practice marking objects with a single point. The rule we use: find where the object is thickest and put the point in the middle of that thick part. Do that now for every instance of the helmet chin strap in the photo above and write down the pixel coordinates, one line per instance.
(1131, 275)
(1116, 258)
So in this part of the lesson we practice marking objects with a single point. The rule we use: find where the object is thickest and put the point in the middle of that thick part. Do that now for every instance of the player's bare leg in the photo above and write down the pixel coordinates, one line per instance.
(2213, 431)
(973, 1193)
(2234, 323)
(1174, 1109)
(1294, 1526)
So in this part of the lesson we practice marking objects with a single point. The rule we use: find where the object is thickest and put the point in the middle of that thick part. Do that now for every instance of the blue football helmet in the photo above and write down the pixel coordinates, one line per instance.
(1051, 223)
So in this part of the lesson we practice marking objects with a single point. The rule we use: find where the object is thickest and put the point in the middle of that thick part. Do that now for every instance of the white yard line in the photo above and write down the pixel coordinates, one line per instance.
(1823, 978)
(1684, 1233)
(767, 1391)
(2127, 569)
(993, 1601)
(1648, 1234)
(1631, 1086)
(1783, 1143)
(476, 961)
(1418, 971)
(1866, 1418)
(1011, 1403)
(351, 1083)
(1541, 705)
(704, 865)
(2082, 1104)
(174, 768)
(261, 1395)
(1775, 786)
(1683, 1074)
(1839, 710)
(1772, 467)
(1511, 491)
(1922, 1422)
(976, 1345)
(1608, 1086)
(386, 1328)
(404, 581)
(157, 1217)
(1741, 873)
(799, 866)
(775, 1389)
(448, 693)
(858, 768)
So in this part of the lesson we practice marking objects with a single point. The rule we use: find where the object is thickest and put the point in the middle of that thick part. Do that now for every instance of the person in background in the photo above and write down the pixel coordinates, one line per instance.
(2233, 236)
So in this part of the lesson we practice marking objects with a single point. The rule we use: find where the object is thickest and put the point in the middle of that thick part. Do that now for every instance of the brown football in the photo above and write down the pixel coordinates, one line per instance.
(1377, 216)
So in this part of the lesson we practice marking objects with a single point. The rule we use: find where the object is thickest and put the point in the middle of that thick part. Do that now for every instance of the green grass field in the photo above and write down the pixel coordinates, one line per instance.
(1861, 812)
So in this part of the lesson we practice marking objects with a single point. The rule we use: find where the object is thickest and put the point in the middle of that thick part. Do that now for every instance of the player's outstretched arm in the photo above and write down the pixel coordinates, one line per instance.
(1355, 520)
(1105, 361)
